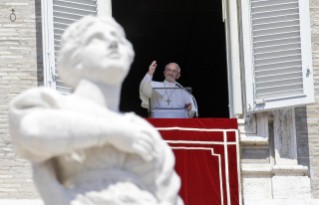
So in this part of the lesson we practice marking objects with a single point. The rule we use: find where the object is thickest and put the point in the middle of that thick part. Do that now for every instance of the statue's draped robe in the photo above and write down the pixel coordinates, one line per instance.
(96, 174)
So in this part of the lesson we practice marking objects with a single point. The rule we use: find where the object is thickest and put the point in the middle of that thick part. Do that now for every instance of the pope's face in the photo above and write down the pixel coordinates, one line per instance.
(106, 54)
(171, 71)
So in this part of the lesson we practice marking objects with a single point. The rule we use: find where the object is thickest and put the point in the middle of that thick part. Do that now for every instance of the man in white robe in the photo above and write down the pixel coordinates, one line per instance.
(165, 94)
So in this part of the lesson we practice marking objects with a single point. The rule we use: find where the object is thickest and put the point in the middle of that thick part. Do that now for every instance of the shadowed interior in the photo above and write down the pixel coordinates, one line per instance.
(188, 32)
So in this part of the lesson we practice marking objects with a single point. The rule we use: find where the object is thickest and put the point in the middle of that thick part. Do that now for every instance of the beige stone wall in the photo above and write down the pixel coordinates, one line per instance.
(20, 69)
(307, 121)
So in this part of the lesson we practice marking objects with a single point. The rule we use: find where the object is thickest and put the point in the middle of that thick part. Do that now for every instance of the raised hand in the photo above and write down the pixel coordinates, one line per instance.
(152, 68)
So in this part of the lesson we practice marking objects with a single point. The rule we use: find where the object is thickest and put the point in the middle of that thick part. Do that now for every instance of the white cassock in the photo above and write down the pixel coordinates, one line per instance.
(164, 98)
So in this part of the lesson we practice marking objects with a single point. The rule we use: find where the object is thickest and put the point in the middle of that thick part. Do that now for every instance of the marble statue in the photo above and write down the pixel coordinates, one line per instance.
(83, 150)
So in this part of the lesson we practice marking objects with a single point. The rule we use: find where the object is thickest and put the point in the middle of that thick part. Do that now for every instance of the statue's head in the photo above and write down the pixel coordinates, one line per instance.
(94, 48)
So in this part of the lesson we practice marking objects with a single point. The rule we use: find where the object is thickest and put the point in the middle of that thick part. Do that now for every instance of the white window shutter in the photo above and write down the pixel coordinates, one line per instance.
(57, 15)
(277, 54)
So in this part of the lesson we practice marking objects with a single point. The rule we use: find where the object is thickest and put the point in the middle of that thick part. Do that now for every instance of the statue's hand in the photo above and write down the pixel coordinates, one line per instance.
(137, 137)
(135, 140)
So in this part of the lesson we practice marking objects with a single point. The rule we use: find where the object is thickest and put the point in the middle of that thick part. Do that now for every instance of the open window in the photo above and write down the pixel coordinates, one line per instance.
(276, 49)
(277, 54)
(188, 32)
(162, 30)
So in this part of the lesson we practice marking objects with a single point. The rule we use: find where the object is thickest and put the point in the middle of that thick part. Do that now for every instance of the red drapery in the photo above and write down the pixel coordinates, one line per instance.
(207, 158)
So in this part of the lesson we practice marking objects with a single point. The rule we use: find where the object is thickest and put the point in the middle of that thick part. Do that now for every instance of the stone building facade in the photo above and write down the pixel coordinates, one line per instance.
(21, 68)
(308, 136)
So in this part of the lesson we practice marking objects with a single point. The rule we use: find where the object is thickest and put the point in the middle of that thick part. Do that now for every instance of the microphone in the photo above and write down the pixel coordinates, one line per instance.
(193, 98)
(174, 81)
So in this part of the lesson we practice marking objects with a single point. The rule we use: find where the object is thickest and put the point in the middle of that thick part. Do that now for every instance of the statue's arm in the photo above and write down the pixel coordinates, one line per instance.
(48, 133)
(40, 132)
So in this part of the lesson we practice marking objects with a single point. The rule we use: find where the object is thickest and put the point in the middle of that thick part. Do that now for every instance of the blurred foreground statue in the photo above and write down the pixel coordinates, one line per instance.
(83, 151)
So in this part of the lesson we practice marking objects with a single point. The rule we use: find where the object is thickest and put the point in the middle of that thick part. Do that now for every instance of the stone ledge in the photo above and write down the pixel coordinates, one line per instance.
(289, 170)
(255, 169)
(21, 202)
(281, 201)
(253, 140)
(246, 202)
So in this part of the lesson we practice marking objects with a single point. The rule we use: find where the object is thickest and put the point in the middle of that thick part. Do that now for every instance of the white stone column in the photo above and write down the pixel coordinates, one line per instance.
(290, 180)
(285, 137)
(233, 58)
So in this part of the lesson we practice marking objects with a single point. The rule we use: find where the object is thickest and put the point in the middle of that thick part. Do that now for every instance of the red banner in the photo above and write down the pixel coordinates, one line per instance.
(207, 158)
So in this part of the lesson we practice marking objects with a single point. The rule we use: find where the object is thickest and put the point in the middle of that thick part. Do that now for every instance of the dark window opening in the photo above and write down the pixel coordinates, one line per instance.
(188, 32)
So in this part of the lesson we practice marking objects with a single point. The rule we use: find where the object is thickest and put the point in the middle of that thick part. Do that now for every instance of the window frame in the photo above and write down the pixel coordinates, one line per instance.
(231, 19)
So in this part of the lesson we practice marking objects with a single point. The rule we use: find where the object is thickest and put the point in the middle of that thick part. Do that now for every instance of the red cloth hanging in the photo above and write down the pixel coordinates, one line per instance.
(207, 158)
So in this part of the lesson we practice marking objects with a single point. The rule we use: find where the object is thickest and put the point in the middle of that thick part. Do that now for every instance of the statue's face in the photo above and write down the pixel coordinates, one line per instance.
(106, 55)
